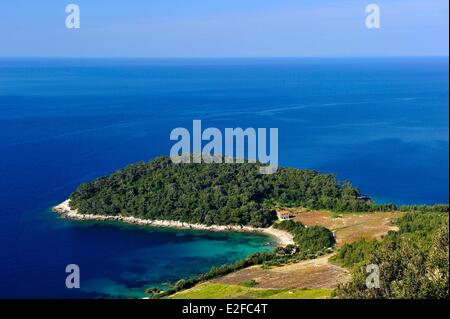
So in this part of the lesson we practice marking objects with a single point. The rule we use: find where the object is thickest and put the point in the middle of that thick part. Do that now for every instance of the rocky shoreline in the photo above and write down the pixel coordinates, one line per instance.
(283, 238)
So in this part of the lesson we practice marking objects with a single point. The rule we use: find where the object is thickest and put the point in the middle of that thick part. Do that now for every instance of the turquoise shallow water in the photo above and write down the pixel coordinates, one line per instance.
(381, 123)
(117, 260)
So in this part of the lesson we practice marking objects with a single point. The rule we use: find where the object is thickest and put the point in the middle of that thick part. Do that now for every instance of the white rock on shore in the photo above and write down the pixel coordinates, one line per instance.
(283, 238)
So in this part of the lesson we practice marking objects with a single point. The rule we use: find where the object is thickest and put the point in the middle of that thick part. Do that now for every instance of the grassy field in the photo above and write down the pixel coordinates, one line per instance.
(307, 274)
(224, 291)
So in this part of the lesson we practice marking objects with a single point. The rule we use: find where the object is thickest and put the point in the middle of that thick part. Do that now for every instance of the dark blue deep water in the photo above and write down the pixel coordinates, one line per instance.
(381, 123)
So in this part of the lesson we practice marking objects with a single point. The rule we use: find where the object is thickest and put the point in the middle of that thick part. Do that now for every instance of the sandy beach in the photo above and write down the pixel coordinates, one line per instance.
(283, 238)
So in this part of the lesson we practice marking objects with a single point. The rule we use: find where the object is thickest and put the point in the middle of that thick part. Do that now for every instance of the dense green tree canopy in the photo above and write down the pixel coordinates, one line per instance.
(211, 193)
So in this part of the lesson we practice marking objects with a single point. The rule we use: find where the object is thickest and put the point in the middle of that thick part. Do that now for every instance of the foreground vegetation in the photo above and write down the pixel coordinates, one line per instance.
(223, 291)
(413, 262)
(209, 194)
(280, 256)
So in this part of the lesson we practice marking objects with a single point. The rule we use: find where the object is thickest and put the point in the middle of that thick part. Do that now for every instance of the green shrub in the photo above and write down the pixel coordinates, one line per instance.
(249, 284)
(308, 239)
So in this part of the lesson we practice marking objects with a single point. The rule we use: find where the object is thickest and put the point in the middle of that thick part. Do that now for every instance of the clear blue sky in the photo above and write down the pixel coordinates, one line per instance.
(223, 28)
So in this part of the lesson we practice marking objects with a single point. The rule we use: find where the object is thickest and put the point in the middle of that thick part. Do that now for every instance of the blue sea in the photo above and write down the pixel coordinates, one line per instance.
(381, 123)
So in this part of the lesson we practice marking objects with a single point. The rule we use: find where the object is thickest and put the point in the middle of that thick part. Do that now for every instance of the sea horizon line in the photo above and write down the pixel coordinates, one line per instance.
(225, 57)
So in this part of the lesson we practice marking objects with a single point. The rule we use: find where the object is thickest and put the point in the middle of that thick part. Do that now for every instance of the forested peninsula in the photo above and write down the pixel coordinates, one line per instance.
(212, 193)
(237, 197)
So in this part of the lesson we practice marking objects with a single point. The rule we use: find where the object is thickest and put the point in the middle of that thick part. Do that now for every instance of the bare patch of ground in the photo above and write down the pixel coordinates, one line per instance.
(351, 226)
(316, 273)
